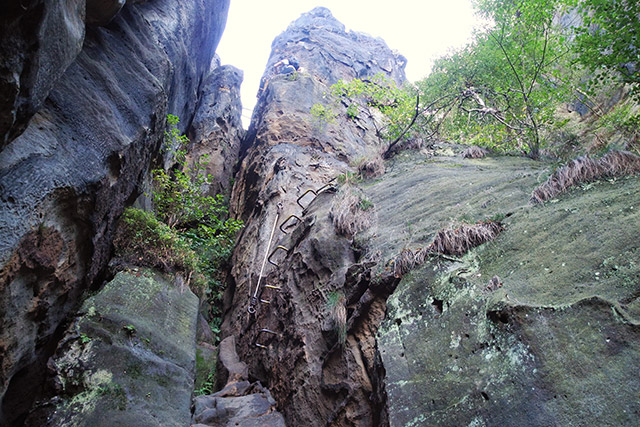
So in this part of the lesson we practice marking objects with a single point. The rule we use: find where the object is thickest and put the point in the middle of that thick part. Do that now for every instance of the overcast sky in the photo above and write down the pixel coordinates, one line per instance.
(421, 30)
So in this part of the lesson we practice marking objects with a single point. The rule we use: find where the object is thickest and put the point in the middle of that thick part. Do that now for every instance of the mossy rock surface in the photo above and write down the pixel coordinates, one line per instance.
(558, 343)
(129, 358)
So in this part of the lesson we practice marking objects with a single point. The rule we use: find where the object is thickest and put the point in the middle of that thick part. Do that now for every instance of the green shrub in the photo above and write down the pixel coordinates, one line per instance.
(322, 114)
(189, 231)
(143, 240)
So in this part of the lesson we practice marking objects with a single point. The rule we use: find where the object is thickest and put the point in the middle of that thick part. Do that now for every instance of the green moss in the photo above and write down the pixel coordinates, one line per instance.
(555, 343)
(205, 371)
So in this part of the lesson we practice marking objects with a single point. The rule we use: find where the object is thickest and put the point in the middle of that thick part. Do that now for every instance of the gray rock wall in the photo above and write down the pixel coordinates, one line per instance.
(91, 138)
(216, 129)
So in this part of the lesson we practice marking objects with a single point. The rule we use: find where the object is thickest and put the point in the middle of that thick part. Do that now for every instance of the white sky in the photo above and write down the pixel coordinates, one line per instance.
(421, 30)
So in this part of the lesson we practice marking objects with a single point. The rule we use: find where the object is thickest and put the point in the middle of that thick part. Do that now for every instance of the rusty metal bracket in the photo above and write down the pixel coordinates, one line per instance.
(327, 187)
(287, 220)
(304, 194)
(274, 252)
(267, 331)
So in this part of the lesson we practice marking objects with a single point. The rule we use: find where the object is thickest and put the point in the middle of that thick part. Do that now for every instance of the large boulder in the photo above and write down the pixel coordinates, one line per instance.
(239, 403)
(128, 359)
(65, 181)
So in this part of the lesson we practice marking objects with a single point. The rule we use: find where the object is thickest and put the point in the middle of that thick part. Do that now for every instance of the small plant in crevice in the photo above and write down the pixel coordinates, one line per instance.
(208, 386)
(365, 204)
(322, 115)
(351, 212)
(352, 111)
(337, 314)
(130, 330)
(348, 178)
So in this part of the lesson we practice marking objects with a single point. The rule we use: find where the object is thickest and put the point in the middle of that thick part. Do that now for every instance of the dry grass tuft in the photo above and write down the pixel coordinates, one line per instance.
(586, 169)
(337, 308)
(458, 241)
(370, 167)
(474, 152)
(450, 241)
(351, 212)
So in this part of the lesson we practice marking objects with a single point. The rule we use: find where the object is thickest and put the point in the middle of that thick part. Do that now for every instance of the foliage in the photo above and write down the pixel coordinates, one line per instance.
(190, 231)
(349, 178)
(609, 40)
(502, 89)
(623, 119)
(129, 329)
(322, 114)
(397, 104)
(208, 386)
(143, 240)
(365, 204)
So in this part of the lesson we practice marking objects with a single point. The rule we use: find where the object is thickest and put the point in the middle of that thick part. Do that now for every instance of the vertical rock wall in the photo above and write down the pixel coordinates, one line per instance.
(287, 153)
(95, 119)
(216, 130)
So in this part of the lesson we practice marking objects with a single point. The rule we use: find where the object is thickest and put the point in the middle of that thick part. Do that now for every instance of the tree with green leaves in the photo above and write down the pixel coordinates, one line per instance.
(607, 42)
(505, 84)
(360, 98)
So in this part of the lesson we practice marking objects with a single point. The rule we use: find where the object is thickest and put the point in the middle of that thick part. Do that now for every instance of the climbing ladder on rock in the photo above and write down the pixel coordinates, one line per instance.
(256, 297)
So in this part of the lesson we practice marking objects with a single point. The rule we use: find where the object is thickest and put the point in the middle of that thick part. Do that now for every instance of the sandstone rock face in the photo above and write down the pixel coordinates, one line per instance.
(239, 403)
(538, 327)
(128, 359)
(40, 39)
(313, 378)
(216, 130)
(66, 179)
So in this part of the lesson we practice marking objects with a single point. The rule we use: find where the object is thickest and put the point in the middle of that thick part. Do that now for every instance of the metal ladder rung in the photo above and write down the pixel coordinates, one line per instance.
(304, 194)
(326, 187)
(273, 253)
(264, 330)
(287, 220)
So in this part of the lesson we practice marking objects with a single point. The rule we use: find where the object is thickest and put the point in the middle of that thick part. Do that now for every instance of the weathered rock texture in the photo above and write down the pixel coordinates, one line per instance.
(538, 327)
(239, 403)
(128, 359)
(40, 39)
(287, 153)
(216, 130)
(94, 130)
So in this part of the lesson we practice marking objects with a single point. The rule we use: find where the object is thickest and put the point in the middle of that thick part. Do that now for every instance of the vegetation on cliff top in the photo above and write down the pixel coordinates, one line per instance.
(514, 86)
